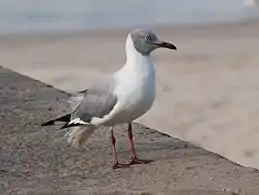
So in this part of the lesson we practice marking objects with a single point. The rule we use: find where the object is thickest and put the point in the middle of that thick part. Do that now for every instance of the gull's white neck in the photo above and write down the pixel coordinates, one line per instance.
(137, 63)
(133, 56)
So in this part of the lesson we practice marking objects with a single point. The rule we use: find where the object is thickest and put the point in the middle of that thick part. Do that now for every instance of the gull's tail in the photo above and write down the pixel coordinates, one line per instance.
(77, 136)
(65, 118)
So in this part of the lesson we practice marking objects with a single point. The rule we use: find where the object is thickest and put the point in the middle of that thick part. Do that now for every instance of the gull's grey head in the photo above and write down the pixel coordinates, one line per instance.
(145, 41)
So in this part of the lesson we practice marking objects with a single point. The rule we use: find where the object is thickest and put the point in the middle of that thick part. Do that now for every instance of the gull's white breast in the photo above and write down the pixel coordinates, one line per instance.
(135, 90)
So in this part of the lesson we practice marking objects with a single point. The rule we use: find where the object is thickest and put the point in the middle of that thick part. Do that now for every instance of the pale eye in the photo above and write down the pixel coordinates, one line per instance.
(148, 38)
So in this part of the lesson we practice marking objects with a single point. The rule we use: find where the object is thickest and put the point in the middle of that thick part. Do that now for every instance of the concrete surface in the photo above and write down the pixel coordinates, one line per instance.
(37, 160)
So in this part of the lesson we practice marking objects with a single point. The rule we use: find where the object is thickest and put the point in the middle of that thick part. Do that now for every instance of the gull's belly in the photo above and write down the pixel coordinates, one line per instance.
(136, 99)
(143, 102)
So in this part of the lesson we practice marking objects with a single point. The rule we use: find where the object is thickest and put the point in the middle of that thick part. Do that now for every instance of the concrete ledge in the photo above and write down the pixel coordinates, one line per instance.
(36, 160)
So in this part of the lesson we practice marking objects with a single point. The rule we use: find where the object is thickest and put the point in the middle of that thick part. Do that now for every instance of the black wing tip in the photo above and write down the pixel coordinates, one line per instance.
(64, 118)
(47, 123)
(70, 125)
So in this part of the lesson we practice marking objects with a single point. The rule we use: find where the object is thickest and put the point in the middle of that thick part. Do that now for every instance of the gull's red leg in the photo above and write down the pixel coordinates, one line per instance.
(134, 159)
(116, 162)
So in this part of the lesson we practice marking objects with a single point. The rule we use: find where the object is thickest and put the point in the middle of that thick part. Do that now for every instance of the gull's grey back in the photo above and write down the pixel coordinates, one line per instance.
(97, 101)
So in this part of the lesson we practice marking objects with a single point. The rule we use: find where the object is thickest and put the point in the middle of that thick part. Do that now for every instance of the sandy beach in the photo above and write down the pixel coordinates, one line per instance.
(207, 91)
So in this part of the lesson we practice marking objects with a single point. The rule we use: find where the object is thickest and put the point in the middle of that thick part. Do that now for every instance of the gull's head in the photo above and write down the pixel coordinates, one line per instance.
(145, 41)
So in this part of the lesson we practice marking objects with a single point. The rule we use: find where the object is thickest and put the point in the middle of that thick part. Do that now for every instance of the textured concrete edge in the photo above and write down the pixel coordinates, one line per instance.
(33, 79)
(161, 133)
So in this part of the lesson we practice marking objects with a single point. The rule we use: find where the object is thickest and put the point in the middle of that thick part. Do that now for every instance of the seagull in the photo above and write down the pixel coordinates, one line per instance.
(118, 98)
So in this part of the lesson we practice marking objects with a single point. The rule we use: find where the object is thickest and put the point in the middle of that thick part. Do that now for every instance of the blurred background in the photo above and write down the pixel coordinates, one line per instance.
(207, 91)
(58, 15)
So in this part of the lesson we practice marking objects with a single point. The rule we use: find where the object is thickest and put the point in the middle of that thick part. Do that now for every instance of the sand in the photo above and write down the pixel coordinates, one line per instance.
(207, 91)
(38, 161)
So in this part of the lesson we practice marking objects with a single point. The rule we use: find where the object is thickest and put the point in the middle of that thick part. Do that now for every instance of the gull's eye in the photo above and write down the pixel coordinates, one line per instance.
(148, 38)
